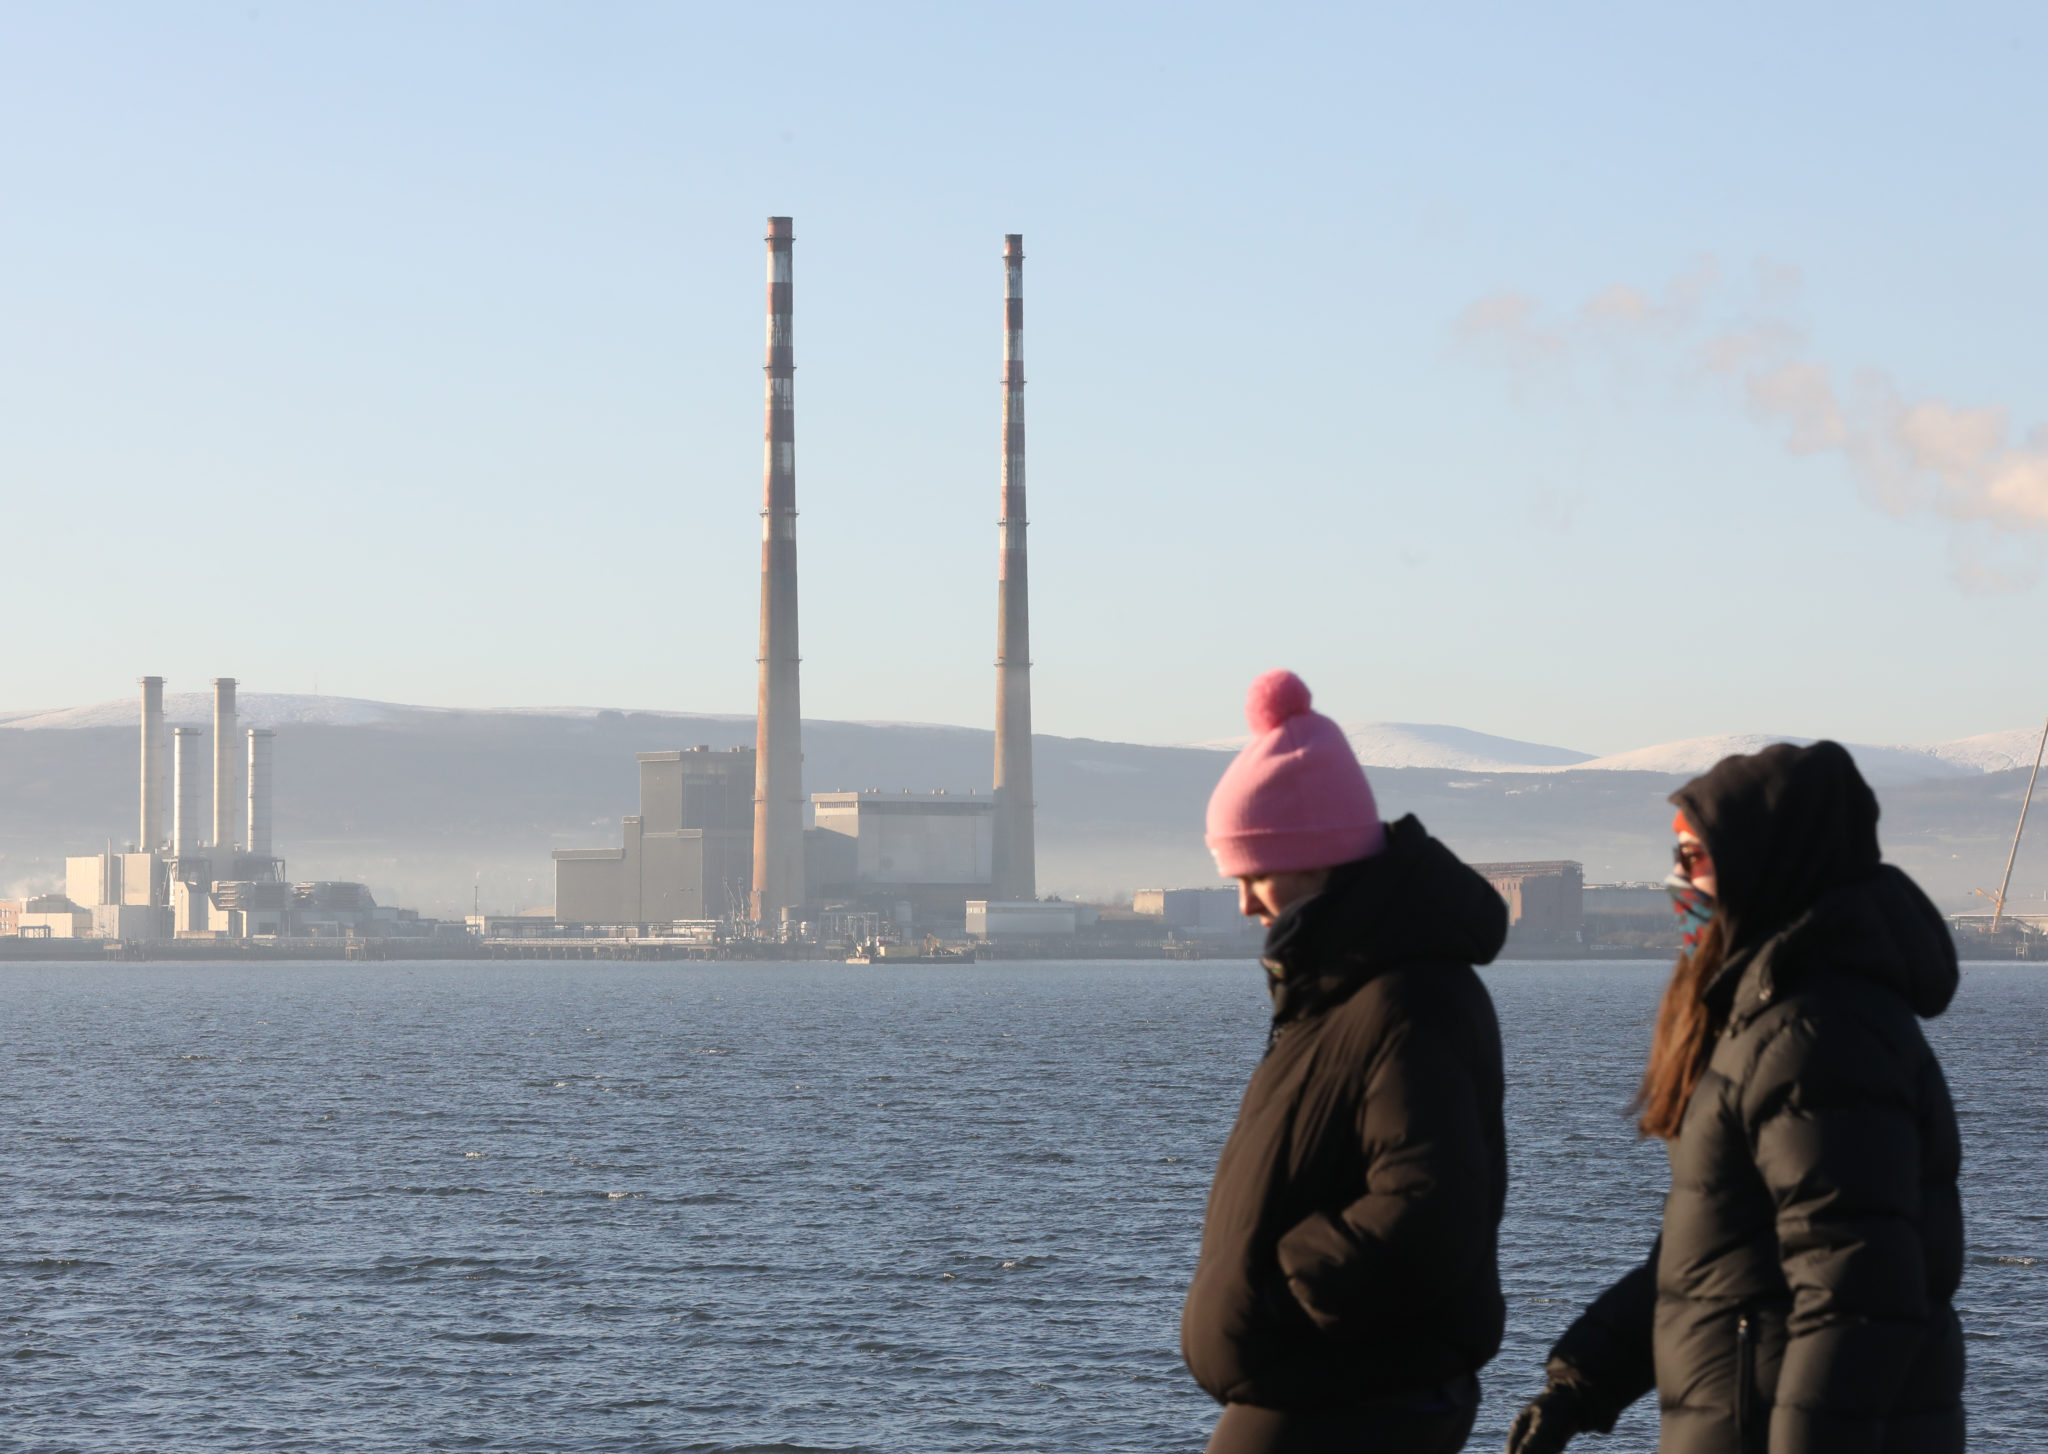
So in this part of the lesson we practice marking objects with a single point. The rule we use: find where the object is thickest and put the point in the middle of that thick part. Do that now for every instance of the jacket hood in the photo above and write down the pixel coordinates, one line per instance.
(1413, 902)
(1883, 929)
(1784, 826)
(1793, 835)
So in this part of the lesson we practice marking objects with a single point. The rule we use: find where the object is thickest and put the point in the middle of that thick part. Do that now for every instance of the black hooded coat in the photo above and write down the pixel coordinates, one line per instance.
(1798, 1301)
(1349, 1250)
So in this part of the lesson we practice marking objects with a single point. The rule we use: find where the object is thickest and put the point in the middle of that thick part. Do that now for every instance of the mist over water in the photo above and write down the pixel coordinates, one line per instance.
(721, 1207)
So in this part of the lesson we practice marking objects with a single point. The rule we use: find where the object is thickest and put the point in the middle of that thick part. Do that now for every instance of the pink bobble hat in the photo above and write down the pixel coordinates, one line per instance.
(1294, 797)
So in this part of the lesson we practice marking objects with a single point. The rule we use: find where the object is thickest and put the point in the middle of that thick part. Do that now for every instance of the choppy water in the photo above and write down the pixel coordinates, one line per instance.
(722, 1207)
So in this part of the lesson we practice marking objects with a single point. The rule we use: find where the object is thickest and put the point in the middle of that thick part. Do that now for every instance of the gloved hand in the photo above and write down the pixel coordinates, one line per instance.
(1548, 1423)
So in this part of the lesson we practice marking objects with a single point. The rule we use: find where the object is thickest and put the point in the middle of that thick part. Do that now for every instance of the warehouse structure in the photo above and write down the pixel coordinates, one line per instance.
(917, 857)
(1545, 899)
(687, 854)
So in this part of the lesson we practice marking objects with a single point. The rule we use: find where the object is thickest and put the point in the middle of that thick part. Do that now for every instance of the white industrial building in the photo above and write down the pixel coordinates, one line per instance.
(1191, 912)
(687, 855)
(207, 868)
(1026, 919)
(917, 858)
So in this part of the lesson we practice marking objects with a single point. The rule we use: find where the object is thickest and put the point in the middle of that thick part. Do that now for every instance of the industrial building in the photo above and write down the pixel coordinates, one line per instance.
(1026, 919)
(688, 853)
(217, 833)
(1211, 911)
(905, 859)
(919, 858)
(916, 857)
(206, 869)
(1630, 915)
(1545, 900)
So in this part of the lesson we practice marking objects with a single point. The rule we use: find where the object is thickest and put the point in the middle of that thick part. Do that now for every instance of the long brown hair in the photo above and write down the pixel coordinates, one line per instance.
(1686, 1026)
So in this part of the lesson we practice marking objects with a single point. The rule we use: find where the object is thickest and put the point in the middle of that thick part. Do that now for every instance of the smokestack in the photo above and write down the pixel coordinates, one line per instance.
(778, 746)
(152, 825)
(186, 806)
(227, 773)
(258, 837)
(1015, 859)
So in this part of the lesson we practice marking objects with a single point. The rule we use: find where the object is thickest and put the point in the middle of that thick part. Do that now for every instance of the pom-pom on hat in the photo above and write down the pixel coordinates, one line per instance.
(1295, 797)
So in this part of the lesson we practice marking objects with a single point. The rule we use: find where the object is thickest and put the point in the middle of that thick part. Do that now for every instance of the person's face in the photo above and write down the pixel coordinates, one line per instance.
(1263, 896)
(1694, 864)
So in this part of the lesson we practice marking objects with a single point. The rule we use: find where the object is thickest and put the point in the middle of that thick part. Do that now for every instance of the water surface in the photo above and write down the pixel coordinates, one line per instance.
(533, 1206)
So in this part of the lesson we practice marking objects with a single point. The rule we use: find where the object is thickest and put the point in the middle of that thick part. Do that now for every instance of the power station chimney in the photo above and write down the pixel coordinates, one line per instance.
(1015, 860)
(258, 839)
(185, 801)
(227, 772)
(152, 825)
(778, 746)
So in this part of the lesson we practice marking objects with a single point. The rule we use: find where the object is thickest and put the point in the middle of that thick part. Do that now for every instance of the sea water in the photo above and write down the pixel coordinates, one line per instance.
(550, 1206)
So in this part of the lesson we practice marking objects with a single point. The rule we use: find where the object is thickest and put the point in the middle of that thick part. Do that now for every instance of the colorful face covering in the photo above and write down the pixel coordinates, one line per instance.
(1693, 906)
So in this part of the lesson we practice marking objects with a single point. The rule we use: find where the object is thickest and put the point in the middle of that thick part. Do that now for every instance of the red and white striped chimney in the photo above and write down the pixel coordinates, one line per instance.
(1015, 866)
(778, 746)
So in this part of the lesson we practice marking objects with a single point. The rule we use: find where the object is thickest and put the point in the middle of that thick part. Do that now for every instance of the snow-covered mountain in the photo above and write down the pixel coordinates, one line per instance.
(1430, 744)
(1458, 749)
(1882, 765)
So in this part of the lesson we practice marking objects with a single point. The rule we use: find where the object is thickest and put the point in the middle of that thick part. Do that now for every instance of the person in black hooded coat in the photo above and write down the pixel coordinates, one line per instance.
(1348, 1287)
(1799, 1298)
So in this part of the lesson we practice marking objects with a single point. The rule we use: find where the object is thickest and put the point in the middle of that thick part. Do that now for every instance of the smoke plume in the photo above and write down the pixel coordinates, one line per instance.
(1912, 457)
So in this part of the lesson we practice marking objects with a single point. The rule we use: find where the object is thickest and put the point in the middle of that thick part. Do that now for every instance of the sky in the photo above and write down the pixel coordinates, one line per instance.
(1595, 375)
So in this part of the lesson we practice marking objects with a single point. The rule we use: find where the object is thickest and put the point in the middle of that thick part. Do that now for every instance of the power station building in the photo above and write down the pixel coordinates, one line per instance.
(914, 856)
(1546, 900)
(909, 858)
(206, 868)
(216, 833)
(723, 836)
(687, 854)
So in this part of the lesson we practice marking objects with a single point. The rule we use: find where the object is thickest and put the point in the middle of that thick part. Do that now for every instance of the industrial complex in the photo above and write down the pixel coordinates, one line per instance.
(727, 850)
(888, 867)
(208, 868)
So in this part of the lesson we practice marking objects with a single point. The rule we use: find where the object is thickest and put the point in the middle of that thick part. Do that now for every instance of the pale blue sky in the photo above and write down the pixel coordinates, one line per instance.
(417, 349)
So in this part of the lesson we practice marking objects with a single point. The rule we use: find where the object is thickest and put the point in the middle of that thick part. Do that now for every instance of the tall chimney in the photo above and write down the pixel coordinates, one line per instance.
(1015, 859)
(186, 806)
(227, 772)
(778, 745)
(152, 824)
(258, 837)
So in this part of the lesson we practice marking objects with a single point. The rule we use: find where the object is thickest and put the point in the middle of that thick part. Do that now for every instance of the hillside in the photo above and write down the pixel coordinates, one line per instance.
(429, 806)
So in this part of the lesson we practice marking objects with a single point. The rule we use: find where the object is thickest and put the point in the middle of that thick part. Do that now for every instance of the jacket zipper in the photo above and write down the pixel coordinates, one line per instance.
(1745, 1379)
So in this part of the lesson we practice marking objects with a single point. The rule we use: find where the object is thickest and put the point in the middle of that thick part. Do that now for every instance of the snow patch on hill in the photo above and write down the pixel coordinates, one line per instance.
(1432, 744)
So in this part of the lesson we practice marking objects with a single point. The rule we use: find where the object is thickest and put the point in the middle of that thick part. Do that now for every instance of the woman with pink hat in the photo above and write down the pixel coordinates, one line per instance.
(1348, 1288)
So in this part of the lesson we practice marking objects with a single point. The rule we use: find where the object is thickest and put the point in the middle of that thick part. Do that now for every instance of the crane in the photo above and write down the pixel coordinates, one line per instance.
(1998, 904)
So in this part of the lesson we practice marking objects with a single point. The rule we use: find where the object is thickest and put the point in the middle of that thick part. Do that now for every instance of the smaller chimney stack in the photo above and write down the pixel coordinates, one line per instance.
(186, 805)
(152, 824)
(227, 772)
(258, 838)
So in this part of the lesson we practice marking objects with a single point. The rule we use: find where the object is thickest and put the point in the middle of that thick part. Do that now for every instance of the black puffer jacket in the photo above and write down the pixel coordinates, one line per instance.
(1349, 1249)
(1798, 1301)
